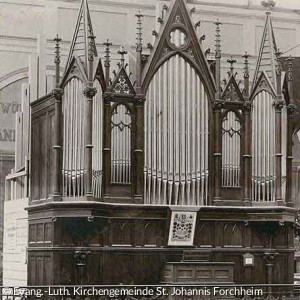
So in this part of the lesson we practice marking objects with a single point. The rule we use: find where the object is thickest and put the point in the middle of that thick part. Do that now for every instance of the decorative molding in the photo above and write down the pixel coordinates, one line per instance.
(81, 257)
(217, 105)
(232, 92)
(57, 93)
(122, 84)
(90, 92)
(278, 104)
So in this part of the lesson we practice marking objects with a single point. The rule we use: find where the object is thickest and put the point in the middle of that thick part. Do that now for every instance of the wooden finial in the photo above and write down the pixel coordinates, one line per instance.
(139, 38)
(218, 38)
(107, 45)
(122, 52)
(231, 61)
(57, 60)
(246, 63)
(290, 68)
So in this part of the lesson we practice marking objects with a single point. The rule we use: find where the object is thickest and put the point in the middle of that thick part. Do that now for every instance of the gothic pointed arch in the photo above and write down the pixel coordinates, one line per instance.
(178, 37)
(232, 92)
(263, 84)
(266, 61)
(75, 69)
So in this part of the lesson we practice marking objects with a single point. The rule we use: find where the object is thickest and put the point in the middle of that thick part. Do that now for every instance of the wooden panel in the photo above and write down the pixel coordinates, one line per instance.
(281, 239)
(204, 234)
(42, 150)
(31, 270)
(257, 239)
(117, 269)
(48, 232)
(200, 272)
(40, 232)
(153, 233)
(32, 233)
(121, 232)
(280, 264)
(233, 234)
(35, 160)
(47, 270)
(40, 268)
(259, 270)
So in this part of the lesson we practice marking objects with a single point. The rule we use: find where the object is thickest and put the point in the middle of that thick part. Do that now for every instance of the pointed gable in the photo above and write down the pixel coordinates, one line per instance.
(232, 92)
(178, 36)
(80, 42)
(266, 61)
(263, 84)
(122, 85)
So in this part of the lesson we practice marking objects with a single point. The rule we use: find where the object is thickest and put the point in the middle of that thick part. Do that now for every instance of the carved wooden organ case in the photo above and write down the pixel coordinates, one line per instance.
(174, 136)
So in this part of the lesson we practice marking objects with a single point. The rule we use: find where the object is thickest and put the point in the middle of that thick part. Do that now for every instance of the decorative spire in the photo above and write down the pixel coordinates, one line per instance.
(218, 38)
(290, 68)
(246, 63)
(82, 45)
(218, 59)
(57, 60)
(107, 45)
(122, 53)
(290, 76)
(139, 38)
(231, 61)
(246, 75)
(266, 61)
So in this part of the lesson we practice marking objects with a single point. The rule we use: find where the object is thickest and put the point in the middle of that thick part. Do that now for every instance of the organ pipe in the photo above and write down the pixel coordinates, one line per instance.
(176, 136)
(263, 148)
(97, 142)
(121, 145)
(73, 139)
(231, 150)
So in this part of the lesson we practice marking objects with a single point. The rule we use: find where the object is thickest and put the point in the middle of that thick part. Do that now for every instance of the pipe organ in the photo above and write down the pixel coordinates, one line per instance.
(176, 136)
(132, 166)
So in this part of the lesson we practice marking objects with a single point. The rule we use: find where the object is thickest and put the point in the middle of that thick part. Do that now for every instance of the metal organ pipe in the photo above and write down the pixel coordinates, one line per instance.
(121, 145)
(176, 136)
(231, 147)
(73, 139)
(263, 148)
(97, 141)
(284, 151)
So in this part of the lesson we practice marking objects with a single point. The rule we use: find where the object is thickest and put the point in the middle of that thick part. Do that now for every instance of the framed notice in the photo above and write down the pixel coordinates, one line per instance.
(182, 228)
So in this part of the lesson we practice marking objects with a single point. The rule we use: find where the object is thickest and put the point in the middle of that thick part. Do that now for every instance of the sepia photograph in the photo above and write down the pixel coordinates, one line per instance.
(149, 149)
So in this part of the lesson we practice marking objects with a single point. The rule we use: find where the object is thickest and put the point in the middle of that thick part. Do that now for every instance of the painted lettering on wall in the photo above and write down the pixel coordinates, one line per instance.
(9, 107)
(7, 135)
